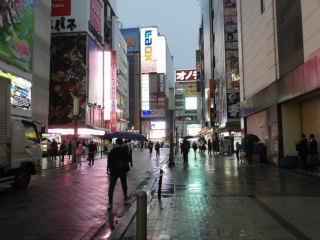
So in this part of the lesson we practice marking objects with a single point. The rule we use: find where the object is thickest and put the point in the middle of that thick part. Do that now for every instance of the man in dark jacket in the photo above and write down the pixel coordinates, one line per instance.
(185, 150)
(302, 148)
(118, 158)
(92, 150)
(248, 148)
(313, 152)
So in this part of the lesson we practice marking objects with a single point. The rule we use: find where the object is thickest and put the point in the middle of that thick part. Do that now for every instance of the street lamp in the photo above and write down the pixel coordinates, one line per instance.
(171, 111)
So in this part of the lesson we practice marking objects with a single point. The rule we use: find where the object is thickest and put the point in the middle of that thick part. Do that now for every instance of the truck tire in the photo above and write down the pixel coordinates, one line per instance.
(22, 179)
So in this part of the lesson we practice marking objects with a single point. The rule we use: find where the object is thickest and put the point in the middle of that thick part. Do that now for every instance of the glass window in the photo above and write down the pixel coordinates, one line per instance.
(30, 132)
(263, 5)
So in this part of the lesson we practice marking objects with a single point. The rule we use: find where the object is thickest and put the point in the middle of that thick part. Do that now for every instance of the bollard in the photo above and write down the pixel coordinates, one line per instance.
(160, 184)
(141, 227)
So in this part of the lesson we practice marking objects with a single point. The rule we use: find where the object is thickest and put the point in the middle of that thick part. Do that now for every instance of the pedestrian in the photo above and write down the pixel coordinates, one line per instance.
(302, 148)
(150, 146)
(69, 149)
(248, 148)
(185, 147)
(63, 149)
(141, 146)
(79, 152)
(157, 148)
(54, 149)
(73, 150)
(130, 147)
(49, 152)
(238, 150)
(92, 148)
(313, 152)
(110, 146)
(195, 147)
(215, 147)
(118, 161)
(209, 147)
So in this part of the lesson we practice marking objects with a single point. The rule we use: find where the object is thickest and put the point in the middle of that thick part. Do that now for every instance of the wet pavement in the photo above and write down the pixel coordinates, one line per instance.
(214, 197)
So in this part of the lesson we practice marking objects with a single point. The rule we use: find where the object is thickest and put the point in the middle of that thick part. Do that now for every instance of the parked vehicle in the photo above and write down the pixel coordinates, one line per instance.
(20, 144)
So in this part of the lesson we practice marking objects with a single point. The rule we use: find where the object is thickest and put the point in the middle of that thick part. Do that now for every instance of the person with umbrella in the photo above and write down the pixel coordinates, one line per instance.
(185, 146)
(92, 150)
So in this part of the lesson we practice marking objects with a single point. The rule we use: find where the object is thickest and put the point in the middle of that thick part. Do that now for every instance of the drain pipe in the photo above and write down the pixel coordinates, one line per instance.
(141, 227)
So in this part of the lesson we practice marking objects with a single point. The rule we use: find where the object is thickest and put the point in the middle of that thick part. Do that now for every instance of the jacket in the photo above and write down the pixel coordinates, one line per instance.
(117, 159)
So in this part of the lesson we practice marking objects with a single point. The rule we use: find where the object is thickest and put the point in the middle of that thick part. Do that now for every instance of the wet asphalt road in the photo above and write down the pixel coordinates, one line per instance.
(71, 202)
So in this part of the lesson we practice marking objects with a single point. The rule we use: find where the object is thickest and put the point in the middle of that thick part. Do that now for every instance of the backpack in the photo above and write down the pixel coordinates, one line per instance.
(194, 145)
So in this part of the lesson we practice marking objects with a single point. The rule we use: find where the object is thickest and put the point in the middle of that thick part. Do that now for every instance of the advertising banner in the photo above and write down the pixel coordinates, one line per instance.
(68, 78)
(233, 106)
(86, 16)
(161, 95)
(113, 91)
(16, 33)
(148, 42)
(185, 75)
(190, 90)
(60, 8)
(132, 37)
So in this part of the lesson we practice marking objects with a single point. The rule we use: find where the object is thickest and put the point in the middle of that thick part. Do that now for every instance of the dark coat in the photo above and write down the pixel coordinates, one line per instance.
(313, 145)
(117, 158)
(302, 148)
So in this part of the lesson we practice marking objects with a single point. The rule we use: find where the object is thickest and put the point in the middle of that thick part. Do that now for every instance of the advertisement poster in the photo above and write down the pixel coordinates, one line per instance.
(233, 105)
(68, 78)
(16, 32)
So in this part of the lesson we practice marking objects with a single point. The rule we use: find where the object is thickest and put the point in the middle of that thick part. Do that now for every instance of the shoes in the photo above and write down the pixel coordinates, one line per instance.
(126, 198)
(110, 206)
(89, 164)
(131, 165)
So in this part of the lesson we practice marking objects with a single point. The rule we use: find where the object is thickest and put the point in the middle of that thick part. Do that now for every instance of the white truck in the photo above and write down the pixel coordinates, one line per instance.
(20, 144)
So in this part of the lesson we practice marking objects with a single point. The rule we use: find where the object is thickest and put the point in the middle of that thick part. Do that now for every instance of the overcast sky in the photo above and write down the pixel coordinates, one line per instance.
(177, 20)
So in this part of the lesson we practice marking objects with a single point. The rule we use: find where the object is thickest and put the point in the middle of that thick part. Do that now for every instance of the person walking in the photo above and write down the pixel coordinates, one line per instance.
(54, 149)
(141, 146)
(118, 159)
(248, 148)
(209, 147)
(63, 150)
(195, 147)
(150, 146)
(92, 148)
(302, 148)
(157, 148)
(313, 152)
(79, 152)
(185, 147)
(69, 149)
(129, 143)
(238, 150)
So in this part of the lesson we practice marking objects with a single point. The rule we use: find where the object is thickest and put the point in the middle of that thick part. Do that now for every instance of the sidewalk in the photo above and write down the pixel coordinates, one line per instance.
(197, 205)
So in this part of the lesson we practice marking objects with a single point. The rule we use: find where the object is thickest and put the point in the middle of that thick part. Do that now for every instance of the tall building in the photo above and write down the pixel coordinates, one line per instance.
(278, 62)
(150, 77)
(25, 56)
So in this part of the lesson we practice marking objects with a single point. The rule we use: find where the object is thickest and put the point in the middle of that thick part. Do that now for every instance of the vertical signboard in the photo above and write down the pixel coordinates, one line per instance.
(68, 78)
(16, 24)
(113, 91)
(148, 43)
(161, 95)
(231, 45)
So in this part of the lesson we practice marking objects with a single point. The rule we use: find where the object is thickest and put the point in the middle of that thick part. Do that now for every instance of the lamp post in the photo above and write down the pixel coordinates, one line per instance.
(75, 124)
(171, 111)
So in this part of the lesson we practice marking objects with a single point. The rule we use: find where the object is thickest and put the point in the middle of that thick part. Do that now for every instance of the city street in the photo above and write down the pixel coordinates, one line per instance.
(71, 202)
(214, 197)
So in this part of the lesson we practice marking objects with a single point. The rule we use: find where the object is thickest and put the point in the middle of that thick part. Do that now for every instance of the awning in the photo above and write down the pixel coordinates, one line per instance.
(204, 131)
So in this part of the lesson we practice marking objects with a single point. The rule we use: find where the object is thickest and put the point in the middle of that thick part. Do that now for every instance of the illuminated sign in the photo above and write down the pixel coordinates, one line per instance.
(184, 75)
(148, 41)
(153, 113)
(113, 92)
(148, 46)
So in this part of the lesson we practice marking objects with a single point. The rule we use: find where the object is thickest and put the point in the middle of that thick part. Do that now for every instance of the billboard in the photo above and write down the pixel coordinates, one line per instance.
(132, 37)
(233, 106)
(85, 16)
(113, 91)
(184, 75)
(68, 78)
(160, 85)
(60, 8)
(16, 25)
(148, 43)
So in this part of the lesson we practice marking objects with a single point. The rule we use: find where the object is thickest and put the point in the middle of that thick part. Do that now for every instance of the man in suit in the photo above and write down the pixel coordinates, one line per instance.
(313, 152)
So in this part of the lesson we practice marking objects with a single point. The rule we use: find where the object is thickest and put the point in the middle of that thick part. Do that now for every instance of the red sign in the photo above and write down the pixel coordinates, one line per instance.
(113, 91)
(60, 8)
